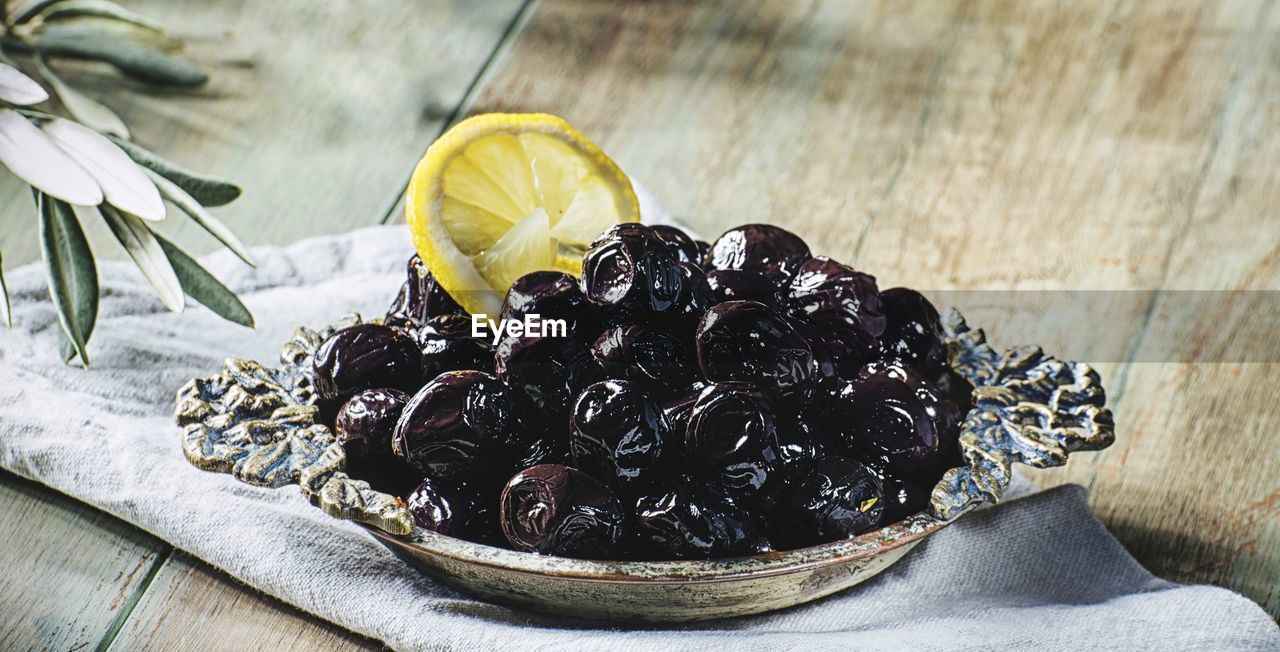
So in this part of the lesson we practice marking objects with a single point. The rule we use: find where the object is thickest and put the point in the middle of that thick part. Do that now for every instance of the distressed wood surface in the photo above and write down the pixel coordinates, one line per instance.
(190, 606)
(949, 146)
(70, 572)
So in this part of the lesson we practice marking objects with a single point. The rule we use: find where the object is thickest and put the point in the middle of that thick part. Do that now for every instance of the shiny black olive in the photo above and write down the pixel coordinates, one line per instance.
(447, 345)
(456, 424)
(913, 330)
(458, 510)
(687, 521)
(827, 292)
(837, 350)
(558, 510)
(955, 388)
(746, 341)
(364, 427)
(695, 298)
(798, 440)
(772, 251)
(551, 448)
(678, 406)
(889, 413)
(704, 248)
(546, 372)
(678, 243)
(629, 269)
(647, 354)
(731, 438)
(420, 299)
(548, 294)
(365, 356)
(618, 434)
(743, 285)
(824, 500)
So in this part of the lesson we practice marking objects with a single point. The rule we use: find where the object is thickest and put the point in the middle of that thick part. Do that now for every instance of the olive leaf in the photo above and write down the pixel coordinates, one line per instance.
(97, 8)
(124, 184)
(72, 276)
(207, 190)
(143, 247)
(31, 9)
(88, 111)
(31, 155)
(203, 287)
(6, 309)
(138, 53)
(187, 204)
(17, 88)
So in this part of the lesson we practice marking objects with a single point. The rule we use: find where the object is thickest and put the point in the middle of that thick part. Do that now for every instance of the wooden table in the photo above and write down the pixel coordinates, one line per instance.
(944, 145)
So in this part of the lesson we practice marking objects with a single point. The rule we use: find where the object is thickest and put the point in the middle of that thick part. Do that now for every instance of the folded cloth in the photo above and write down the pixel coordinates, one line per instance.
(1039, 572)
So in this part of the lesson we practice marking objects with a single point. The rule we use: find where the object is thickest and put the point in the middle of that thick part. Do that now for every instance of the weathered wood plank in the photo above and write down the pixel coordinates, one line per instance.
(989, 146)
(318, 110)
(190, 606)
(70, 570)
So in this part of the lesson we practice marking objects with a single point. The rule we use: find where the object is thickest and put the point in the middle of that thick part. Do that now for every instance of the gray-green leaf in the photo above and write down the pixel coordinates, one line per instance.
(17, 88)
(136, 53)
(178, 197)
(143, 247)
(6, 309)
(124, 183)
(72, 276)
(88, 111)
(208, 191)
(32, 156)
(99, 9)
(202, 286)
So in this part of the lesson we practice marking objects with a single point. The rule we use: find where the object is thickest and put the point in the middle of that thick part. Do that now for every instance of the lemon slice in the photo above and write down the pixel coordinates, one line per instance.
(501, 195)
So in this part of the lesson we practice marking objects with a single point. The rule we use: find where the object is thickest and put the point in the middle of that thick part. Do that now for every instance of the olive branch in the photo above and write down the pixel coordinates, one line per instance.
(82, 166)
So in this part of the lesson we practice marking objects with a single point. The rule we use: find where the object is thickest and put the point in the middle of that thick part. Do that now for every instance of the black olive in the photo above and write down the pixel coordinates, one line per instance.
(456, 424)
(889, 413)
(558, 510)
(743, 285)
(546, 372)
(650, 355)
(685, 521)
(678, 406)
(798, 440)
(913, 330)
(365, 356)
(364, 427)
(548, 294)
(459, 510)
(842, 309)
(552, 448)
(420, 299)
(448, 345)
(746, 341)
(618, 434)
(825, 500)
(731, 438)
(903, 497)
(628, 269)
(678, 243)
(772, 251)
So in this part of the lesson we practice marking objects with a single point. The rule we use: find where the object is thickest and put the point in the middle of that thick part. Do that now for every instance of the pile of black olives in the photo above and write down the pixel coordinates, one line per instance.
(702, 401)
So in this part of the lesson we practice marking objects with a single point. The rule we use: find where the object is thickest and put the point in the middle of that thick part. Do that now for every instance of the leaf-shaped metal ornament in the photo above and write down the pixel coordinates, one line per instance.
(143, 247)
(199, 215)
(97, 8)
(72, 276)
(124, 183)
(206, 289)
(86, 110)
(207, 190)
(29, 153)
(17, 88)
(136, 52)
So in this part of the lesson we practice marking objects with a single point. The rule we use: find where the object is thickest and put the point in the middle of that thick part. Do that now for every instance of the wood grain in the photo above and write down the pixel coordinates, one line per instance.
(70, 570)
(190, 606)
(984, 146)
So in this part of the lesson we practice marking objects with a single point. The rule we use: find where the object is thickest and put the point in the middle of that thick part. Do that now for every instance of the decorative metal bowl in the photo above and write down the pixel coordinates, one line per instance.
(260, 425)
